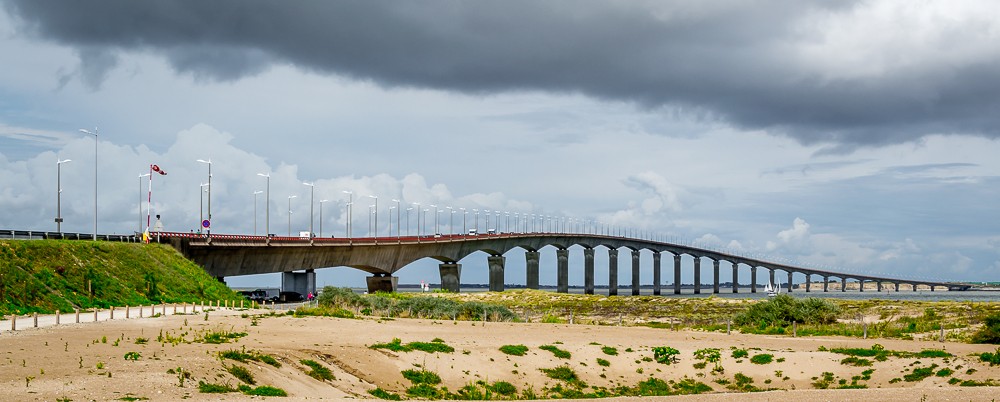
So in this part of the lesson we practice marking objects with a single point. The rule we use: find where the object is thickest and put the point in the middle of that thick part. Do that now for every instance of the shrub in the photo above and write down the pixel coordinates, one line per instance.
(920, 373)
(263, 390)
(564, 373)
(208, 388)
(430, 347)
(992, 358)
(241, 373)
(426, 391)
(665, 354)
(318, 371)
(610, 351)
(514, 350)
(418, 377)
(856, 361)
(133, 356)
(603, 363)
(990, 332)
(383, 394)
(762, 358)
(562, 354)
(244, 357)
(783, 310)
(504, 388)
(740, 353)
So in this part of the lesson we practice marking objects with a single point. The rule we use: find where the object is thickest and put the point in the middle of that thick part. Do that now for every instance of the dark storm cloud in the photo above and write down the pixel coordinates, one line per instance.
(724, 61)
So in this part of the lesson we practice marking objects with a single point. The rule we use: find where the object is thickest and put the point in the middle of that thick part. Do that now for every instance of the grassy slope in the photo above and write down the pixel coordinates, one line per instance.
(50, 275)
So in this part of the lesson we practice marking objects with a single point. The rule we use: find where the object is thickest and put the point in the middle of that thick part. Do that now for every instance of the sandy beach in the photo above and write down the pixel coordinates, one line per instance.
(87, 361)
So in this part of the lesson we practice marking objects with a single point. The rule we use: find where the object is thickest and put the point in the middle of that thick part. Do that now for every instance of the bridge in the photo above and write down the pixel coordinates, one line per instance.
(233, 255)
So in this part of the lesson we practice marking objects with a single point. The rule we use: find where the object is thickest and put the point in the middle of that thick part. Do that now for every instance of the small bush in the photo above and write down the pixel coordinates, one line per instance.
(264, 390)
(562, 354)
(514, 350)
(318, 371)
(418, 377)
(564, 373)
(504, 388)
(208, 388)
(383, 394)
(665, 354)
(241, 373)
(920, 373)
(990, 332)
(740, 353)
(430, 347)
(856, 361)
(992, 358)
(603, 363)
(610, 351)
(762, 358)
(133, 356)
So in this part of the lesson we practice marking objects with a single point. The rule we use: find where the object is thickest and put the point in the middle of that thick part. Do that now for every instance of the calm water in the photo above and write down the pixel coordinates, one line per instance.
(906, 295)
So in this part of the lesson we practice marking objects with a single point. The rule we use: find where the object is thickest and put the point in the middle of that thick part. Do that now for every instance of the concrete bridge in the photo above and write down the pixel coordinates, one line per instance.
(234, 255)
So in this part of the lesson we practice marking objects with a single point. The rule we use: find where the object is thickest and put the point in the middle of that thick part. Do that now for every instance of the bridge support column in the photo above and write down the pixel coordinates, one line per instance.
(808, 283)
(382, 283)
(771, 278)
(300, 282)
(612, 272)
(789, 286)
(588, 271)
(715, 271)
(531, 263)
(562, 271)
(826, 284)
(861, 285)
(451, 276)
(753, 279)
(635, 272)
(697, 275)
(843, 284)
(496, 263)
(736, 277)
(897, 286)
(656, 273)
(878, 286)
(932, 288)
(677, 274)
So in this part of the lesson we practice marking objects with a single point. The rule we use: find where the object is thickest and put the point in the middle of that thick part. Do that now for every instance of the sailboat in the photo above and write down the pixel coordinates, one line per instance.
(772, 290)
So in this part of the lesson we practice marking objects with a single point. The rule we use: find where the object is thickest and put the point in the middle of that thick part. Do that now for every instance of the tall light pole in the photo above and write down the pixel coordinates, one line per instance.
(209, 162)
(201, 204)
(436, 231)
(476, 215)
(95, 177)
(267, 205)
(451, 220)
(312, 193)
(59, 218)
(390, 222)
(398, 212)
(255, 193)
(425, 220)
(140, 200)
(464, 214)
(290, 214)
(376, 213)
(350, 207)
(408, 222)
(321, 216)
(417, 205)
(486, 213)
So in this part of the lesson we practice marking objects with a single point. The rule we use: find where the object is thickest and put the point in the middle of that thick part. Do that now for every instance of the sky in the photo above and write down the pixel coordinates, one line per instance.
(857, 136)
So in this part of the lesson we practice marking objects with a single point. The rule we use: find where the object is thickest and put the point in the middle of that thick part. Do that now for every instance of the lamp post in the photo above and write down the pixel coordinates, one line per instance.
(476, 215)
(390, 221)
(290, 214)
(95, 177)
(255, 211)
(209, 163)
(267, 205)
(376, 214)
(408, 222)
(59, 218)
(486, 213)
(451, 220)
(321, 216)
(140, 200)
(417, 206)
(201, 204)
(436, 231)
(312, 193)
(425, 220)
(464, 213)
(398, 212)
(350, 208)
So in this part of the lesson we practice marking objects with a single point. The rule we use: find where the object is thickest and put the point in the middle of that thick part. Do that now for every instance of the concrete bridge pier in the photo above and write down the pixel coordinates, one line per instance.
(715, 272)
(808, 282)
(697, 275)
(878, 286)
(677, 274)
(382, 283)
(496, 263)
(302, 282)
(588, 271)
(826, 283)
(843, 284)
(656, 273)
(771, 277)
(897, 286)
(451, 276)
(753, 279)
(736, 277)
(562, 271)
(932, 288)
(531, 265)
(635, 272)
(789, 285)
(613, 272)
(861, 285)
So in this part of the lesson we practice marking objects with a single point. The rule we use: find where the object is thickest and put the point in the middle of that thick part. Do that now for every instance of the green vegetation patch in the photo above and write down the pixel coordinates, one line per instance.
(421, 377)
(762, 358)
(562, 354)
(209, 388)
(318, 371)
(243, 357)
(241, 373)
(992, 358)
(610, 351)
(665, 354)
(990, 332)
(430, 347)
(856, 361)
(603, 363)
(383, 394)
(340, 301)
(783, 310)
(920, 373)
(566, 374)
(219, 336)
(263, 390)
(514, 350)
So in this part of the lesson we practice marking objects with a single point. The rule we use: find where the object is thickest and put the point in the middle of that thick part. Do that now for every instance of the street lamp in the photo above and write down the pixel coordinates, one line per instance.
(408, 222)
(312, 193)
(464, 214)
(425, 220)
(140, 200)
(290, 214)
(59, 218)
(398, 212)
(390, 222)
(376, 214)
(95, 177)
(350, 208)
(209, 162)
(476, 213)
(436, 231)
(486, 212)
(201, 204)
(451, 220)
(321, 216)
(267, 206)
(255, 211)
(417, 205)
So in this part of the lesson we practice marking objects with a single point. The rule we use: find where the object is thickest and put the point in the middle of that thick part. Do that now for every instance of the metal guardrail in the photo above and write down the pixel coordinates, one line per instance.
(41, 235)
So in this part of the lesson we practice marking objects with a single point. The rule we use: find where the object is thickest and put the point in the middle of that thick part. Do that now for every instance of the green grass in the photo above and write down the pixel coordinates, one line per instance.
(562, 354)
(263, 390)
(514, 350)
(396, 345)
(762, 358)
(50, 275)
(603, 363)
(241, 373)
(383, 394)
(920, 373)
(418, 377)
(610, 351)
(219, 336)
(566, 374)
(244, 357)
(318, 371)
(856, 361)
(209, 388)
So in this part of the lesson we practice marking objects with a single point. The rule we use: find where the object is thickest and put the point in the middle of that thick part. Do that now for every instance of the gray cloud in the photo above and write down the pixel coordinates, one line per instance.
(757, 65)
